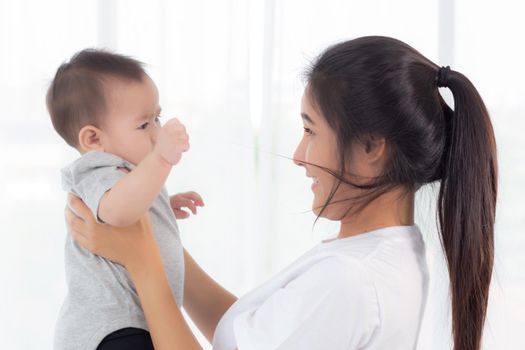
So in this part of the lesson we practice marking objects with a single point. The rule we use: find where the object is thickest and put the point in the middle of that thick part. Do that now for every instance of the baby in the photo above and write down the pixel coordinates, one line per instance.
(107, 107)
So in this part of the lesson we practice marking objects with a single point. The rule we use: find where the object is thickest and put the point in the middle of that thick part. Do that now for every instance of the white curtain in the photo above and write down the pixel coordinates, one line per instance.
(231, 70)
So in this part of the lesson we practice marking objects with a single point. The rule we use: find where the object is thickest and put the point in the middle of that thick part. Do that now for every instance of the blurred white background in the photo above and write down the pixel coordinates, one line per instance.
(231, 70)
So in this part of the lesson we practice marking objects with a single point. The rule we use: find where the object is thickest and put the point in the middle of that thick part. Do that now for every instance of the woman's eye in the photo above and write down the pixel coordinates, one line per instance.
(307, 131)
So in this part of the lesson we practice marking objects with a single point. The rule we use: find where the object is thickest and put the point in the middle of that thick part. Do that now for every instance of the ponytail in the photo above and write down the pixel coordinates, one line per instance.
(466, 209)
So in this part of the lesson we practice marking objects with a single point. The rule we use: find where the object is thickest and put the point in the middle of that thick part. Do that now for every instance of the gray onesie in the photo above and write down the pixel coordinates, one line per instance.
(101, 297)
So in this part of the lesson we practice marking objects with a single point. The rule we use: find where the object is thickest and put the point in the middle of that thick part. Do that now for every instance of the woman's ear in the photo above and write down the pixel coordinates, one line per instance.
(89, 139)
(368, 156)
(375, 149)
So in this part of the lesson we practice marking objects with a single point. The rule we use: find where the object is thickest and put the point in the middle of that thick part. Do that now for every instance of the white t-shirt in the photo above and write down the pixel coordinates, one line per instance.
(361, 292)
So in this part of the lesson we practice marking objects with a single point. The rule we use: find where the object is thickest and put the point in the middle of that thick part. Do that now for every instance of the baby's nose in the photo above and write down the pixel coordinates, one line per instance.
(153, 137)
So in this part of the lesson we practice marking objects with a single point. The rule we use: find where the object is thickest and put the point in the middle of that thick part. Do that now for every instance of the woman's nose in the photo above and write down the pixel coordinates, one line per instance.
(298, 156)
(298, 162)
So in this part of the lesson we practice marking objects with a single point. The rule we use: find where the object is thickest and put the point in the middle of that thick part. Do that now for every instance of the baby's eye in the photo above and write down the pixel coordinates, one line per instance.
(143, 126)
(157, 120)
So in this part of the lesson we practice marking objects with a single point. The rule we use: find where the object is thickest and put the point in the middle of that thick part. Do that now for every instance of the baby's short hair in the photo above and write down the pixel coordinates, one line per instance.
(76, 96)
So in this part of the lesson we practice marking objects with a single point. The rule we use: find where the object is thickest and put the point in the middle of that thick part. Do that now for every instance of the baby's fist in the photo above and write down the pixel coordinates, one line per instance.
(172, 141)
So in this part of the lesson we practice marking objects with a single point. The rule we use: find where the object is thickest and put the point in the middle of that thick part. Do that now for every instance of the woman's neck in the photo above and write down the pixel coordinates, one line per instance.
(394, 208)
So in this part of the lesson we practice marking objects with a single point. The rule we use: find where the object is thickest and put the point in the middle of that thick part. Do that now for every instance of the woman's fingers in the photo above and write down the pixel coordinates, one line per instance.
(80, 220)
(81, 240)
(78, 229)
(74, 222)
(79, 208)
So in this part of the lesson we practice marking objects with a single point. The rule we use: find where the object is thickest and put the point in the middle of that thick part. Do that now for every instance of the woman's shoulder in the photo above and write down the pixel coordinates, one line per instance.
(385, 246)
(335, 275)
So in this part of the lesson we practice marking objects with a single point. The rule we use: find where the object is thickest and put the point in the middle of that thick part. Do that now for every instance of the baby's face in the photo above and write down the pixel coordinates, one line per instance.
(131, 121)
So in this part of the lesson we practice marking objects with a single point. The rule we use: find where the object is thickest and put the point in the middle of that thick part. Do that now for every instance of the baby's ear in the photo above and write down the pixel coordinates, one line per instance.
(89, 139)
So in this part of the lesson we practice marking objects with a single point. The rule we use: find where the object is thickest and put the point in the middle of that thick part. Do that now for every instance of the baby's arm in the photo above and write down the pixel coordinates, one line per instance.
(128, 200)
(132, 196)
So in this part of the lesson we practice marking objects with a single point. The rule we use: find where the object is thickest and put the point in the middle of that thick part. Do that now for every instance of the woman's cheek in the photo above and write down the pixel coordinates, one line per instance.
(309, 154)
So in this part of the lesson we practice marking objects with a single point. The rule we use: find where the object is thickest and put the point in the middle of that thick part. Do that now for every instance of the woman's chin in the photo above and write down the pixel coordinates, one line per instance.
(318, 208)
(327, 214)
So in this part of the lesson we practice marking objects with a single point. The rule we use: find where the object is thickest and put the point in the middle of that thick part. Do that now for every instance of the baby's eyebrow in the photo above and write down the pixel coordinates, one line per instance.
(146, 117)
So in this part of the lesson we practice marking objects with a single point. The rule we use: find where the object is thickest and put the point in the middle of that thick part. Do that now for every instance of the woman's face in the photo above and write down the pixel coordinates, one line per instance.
(318, 146)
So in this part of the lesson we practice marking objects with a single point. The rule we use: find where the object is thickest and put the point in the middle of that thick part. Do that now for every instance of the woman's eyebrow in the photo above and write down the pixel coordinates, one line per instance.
(307, 118)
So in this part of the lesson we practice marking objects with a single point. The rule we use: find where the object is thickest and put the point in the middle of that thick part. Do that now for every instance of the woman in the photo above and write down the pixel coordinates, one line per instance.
(375, 130)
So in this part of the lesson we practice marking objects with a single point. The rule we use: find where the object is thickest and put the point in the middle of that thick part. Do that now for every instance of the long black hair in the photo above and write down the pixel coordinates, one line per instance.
(379, 86)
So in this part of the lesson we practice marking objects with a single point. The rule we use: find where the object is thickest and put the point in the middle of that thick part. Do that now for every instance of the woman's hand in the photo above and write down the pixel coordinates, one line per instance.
(190, 200)
(124, 245)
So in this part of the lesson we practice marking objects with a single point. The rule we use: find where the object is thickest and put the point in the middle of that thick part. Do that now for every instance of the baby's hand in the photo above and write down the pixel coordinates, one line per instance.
(172, 140)
(190, 200)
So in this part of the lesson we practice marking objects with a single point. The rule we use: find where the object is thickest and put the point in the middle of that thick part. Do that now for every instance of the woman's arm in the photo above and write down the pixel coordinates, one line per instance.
(168, 327)
(204, 299)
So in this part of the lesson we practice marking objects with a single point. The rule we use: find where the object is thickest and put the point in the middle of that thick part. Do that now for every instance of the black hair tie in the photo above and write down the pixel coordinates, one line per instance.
(442, 78)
